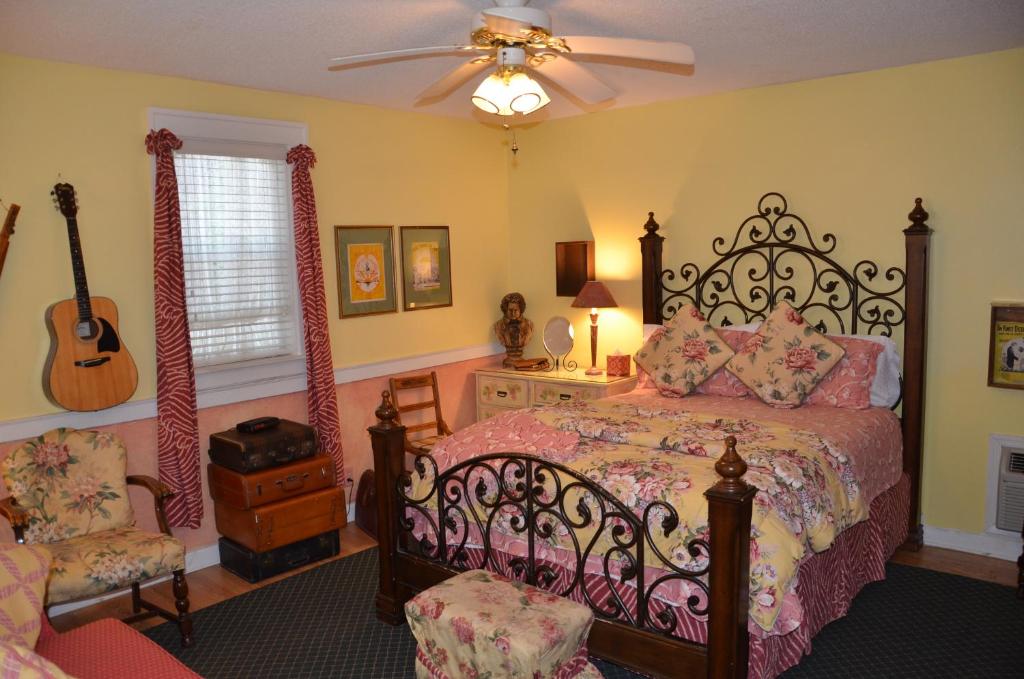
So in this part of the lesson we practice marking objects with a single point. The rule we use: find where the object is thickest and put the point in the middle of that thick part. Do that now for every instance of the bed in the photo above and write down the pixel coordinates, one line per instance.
(640, 506)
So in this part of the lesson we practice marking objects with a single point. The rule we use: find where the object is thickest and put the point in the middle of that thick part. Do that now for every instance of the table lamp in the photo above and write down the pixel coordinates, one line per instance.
(595, 295)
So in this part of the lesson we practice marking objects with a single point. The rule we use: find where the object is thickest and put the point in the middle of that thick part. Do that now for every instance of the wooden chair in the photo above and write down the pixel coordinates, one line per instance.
(437, 427)
(69, 495)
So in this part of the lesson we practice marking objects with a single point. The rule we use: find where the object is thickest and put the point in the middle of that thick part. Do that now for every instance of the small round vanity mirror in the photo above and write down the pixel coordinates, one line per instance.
(558, 336)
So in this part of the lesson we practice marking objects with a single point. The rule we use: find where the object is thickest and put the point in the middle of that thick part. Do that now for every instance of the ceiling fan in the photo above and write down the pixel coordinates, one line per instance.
(518, 39)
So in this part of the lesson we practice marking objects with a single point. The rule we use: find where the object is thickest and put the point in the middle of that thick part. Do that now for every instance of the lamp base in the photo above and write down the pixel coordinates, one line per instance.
(593, 371)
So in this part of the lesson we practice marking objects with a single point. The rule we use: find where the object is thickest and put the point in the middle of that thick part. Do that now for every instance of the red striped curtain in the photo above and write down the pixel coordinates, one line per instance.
(177, 427)
(321, 398)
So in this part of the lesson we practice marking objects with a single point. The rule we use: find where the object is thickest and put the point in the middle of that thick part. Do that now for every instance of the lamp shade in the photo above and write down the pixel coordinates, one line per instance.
(517, 93)
(594, 295)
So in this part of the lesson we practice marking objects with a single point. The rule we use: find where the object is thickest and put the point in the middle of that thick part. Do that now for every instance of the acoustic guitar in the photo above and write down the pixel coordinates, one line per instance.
(6, 232)
(88, 367)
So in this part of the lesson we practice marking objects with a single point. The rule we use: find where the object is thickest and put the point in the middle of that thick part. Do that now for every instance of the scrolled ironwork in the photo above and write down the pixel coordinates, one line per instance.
(774, 256)
(546, 504)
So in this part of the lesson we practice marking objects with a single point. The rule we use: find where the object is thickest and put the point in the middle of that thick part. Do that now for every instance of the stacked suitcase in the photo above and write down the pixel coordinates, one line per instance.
(275, 500)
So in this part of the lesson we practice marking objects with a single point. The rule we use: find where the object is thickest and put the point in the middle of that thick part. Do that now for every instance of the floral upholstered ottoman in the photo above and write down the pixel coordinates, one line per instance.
(480, 624)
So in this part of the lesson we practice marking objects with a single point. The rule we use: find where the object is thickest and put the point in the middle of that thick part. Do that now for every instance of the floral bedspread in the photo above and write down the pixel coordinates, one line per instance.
(658, 449)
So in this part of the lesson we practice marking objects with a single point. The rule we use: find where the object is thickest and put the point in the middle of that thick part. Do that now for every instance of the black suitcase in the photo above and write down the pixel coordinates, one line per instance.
(256, 566)
(245, 453)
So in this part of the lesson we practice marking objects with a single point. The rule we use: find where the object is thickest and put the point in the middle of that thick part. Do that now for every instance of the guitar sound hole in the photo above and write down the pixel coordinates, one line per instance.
(87, 330)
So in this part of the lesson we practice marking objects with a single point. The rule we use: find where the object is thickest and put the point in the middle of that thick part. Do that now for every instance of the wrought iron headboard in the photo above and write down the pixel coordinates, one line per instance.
(762, 265)
(774, 256)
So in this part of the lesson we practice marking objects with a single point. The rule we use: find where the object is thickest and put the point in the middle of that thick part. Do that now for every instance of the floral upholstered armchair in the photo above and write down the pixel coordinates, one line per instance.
(69, 495)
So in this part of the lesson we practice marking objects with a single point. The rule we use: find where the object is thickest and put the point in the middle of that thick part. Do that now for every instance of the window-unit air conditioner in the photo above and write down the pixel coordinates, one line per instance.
(1010, 507)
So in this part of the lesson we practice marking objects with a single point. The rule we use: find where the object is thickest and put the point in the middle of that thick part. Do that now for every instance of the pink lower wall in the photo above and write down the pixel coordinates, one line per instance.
(356, 403)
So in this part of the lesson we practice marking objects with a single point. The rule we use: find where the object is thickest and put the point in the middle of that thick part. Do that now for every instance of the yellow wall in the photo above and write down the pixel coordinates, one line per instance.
(850, 153)
(374, 167)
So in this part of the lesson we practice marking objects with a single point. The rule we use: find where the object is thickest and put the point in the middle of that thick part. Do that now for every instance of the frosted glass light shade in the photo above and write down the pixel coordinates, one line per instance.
(521, 94)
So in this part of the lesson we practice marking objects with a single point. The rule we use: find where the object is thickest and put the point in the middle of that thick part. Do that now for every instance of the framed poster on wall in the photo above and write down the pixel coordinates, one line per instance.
(426, 268)
(366, 270)
(1006, 346)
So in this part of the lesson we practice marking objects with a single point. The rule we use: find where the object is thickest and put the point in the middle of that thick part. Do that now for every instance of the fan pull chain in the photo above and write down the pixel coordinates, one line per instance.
(515, 144)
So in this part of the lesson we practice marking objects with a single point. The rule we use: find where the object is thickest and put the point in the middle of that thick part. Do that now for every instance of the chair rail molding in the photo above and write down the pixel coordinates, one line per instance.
(272, 378)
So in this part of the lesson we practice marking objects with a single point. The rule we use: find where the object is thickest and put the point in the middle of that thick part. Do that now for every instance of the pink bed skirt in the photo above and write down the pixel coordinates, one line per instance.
(827, 583)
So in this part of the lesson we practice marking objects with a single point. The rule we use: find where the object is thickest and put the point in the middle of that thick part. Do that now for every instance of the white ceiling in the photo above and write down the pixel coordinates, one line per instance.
(285, 45)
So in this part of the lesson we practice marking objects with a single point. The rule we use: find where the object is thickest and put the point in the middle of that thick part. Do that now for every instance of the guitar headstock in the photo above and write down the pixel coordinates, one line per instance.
(12, 216)
(65, 200)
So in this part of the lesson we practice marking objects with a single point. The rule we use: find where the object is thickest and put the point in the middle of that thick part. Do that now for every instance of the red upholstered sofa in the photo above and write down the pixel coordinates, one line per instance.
(108, 649)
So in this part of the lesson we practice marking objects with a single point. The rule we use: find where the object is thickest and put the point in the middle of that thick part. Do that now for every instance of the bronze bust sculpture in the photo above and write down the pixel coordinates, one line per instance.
(514, 330)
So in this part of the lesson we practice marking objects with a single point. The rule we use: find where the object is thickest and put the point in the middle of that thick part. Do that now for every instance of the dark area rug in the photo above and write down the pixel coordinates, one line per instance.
(320, 623)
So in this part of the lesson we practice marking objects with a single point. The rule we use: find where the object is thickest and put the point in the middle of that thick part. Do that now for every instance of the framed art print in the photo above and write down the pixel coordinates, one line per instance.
(426, 267)
(1006, 346)
(366, 270)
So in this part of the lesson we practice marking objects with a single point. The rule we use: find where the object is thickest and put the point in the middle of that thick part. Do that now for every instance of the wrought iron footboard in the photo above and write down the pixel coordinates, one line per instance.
(435, 523)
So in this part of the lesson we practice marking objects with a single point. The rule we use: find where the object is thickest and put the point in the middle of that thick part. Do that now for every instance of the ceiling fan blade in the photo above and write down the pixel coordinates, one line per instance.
(629, 48)
(576, 79)
(454, 78)
(501, 23)
(395, 55)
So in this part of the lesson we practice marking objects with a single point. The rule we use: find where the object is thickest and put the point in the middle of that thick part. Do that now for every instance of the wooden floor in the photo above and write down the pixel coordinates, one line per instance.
(214, 584)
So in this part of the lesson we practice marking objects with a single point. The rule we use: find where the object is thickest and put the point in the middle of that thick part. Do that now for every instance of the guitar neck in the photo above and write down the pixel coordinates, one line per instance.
(6, 232)
(78, 267)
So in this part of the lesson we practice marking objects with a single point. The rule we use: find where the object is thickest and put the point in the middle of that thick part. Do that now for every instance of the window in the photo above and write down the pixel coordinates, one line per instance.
(234, 188)
(239, 257)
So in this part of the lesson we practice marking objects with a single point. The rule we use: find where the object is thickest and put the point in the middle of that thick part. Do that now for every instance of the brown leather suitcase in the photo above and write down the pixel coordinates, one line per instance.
(245, 491)
(249, 452)
(280, 523)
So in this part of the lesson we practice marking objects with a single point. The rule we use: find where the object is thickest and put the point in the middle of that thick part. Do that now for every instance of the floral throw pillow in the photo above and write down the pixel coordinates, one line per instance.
(785, 359)
(687, 352)
(69, 483)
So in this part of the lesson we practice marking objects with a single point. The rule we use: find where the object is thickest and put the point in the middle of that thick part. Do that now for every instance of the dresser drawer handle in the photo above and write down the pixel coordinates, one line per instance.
(502, 394)
(565, 397)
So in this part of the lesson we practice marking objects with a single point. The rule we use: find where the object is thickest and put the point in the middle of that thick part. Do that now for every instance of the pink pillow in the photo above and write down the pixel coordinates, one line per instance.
(723, 382)
(848, 384)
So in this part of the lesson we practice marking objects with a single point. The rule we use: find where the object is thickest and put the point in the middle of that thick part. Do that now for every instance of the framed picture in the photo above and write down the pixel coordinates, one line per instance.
(366, 270)
(426, 268)
(1006, 346)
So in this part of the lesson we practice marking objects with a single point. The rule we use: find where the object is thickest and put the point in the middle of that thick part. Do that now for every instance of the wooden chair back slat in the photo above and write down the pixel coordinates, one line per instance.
(413, 382)
(416, 406)
(421, 427)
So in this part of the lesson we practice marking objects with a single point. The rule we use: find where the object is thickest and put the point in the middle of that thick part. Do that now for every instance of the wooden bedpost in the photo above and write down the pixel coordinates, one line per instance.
(914, 354)
(388, 439)
(650, 250)
(730, 503)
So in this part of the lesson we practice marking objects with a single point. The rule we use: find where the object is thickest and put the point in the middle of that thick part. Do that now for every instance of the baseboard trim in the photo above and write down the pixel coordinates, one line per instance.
(195, 559)
(24, 428)
(1000, 545)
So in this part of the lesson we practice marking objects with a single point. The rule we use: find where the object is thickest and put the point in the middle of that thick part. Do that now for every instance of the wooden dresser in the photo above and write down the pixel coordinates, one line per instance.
(501, 389)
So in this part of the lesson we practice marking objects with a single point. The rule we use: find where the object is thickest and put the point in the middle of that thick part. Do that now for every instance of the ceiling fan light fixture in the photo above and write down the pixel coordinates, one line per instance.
(506, 96)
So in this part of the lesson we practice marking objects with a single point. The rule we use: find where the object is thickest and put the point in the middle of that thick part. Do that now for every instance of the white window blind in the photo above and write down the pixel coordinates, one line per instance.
(239, 257)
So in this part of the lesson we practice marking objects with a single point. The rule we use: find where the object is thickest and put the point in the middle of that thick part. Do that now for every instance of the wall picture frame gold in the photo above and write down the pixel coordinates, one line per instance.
(1006, 346)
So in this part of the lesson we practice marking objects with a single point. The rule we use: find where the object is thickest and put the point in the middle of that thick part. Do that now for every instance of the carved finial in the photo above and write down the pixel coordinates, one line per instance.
(651, 226)
(386, 412)
(918, 216)
(730, 466)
